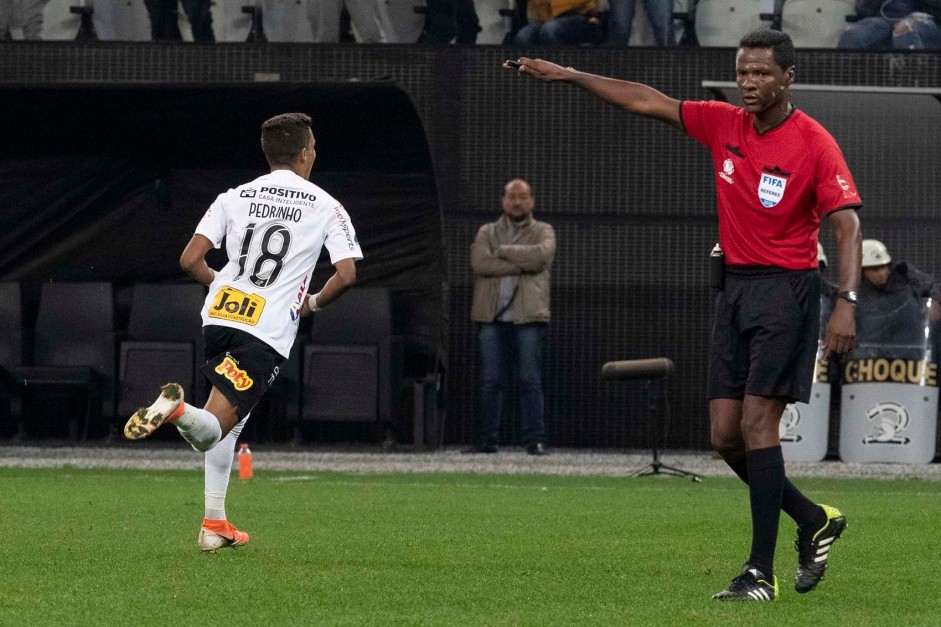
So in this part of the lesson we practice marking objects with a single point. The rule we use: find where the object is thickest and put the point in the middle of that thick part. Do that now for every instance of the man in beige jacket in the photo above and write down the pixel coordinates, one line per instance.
(511, 259)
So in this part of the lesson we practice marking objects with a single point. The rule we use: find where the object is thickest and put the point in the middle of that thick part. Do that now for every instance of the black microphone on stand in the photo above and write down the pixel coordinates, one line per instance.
(651, 371)
(626, 370)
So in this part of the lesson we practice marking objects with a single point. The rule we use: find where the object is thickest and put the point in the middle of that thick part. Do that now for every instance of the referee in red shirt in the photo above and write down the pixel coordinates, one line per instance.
(778, 172)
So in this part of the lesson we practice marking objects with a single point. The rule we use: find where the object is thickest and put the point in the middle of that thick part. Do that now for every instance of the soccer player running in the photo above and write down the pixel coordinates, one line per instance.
(274, 228)
(777, 173)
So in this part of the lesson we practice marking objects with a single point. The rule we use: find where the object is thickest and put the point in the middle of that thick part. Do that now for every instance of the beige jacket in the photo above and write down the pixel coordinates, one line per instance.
(528, 256)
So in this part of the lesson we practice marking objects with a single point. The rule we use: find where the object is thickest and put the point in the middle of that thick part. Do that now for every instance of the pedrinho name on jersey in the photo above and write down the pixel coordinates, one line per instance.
(261, 210)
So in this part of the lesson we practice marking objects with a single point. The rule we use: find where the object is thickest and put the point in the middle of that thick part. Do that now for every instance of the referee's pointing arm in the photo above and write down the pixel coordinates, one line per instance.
(635, 98)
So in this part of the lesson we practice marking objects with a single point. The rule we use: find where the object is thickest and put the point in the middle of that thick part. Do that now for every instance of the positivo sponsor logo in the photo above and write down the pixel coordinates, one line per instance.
(280, 192)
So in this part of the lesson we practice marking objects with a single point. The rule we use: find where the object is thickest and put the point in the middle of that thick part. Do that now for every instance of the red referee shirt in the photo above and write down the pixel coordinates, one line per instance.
(772, 189)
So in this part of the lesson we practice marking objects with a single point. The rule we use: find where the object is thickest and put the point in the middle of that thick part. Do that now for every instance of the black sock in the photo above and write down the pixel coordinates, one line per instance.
(793, 501)
(765, 491)
(739, 467)
(801, 508)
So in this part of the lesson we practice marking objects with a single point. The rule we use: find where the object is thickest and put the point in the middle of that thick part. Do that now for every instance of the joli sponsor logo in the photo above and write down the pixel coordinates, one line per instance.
(237, 306)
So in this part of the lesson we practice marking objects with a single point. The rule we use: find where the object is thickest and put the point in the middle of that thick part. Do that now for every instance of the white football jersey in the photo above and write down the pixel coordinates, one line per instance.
(274, 228)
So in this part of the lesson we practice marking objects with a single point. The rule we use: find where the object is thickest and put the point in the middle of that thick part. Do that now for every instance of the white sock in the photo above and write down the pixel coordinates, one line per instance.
(199, 427)
(218, 470)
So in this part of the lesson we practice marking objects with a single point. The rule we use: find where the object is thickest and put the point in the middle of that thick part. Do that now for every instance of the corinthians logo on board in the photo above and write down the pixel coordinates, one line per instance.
(787, 428)
(887, 422)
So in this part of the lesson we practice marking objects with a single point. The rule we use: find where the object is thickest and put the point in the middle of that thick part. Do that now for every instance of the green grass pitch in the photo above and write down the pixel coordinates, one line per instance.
(110, 547)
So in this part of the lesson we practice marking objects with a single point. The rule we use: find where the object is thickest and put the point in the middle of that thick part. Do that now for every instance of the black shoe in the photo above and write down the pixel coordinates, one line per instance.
(813, 548)
(537, 449)
(751, 585)
(481, 448)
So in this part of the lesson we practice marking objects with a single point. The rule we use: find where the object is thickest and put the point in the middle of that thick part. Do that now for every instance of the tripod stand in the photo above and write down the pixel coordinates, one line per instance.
(654, 434)
(653, 371)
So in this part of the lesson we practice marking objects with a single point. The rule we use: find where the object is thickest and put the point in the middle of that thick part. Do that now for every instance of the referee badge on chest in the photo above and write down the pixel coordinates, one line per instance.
(771, 189)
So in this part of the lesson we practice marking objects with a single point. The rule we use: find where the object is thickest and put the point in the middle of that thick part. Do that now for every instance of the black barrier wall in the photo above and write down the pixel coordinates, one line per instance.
(632, 200)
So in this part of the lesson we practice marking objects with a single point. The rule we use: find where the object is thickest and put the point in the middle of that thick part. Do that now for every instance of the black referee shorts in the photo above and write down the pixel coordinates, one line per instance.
(765, 333)
(239, 365)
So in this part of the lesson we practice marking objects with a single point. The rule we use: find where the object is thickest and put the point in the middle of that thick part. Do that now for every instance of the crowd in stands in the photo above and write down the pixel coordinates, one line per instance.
(899, 24)
(874, 24)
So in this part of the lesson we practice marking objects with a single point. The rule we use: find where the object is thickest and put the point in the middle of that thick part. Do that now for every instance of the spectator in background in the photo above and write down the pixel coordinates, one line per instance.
(552, 22)
(882, 276)
(899, 24)
(164, 20)
(511, 259)
(32, 19)
(6, 16)
(369, 20)
(451, 21)
(892, 297)
(621, 20)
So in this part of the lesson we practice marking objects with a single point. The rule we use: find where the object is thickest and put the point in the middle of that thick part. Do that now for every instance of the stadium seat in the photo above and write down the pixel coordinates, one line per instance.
(74, 347)
(121, 20)
(286, 21)
(59, 21)
(722, 23)
(11, 351)
(641, 33)
(107, 20)
(407, 24)
(11, 326)
(494, 25)
(352, 367)
(164, 343)
(816, 23)
(230, 21)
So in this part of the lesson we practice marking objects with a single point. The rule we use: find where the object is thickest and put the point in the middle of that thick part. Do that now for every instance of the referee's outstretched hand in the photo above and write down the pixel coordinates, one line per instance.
(539, 69)
(840, 335)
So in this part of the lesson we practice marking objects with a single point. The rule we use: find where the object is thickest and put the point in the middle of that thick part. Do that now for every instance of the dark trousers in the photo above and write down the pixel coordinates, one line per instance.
(164, 16)
(504, 345)
(448, 19)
